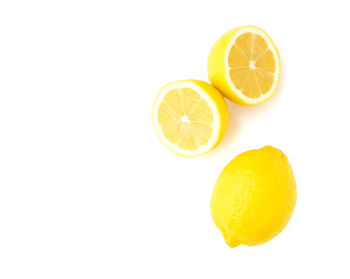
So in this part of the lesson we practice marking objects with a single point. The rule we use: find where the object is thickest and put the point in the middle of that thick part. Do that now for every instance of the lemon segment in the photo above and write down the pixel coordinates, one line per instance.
(190, 117)
(254, 197)
(244, 65)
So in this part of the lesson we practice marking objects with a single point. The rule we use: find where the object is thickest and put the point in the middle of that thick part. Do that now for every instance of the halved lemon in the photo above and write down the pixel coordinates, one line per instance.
(244, 65)
(190, 117)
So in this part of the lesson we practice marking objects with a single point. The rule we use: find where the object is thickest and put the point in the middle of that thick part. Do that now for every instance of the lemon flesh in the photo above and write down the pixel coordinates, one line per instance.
(190, 117)
(254, 197)
(244, 65)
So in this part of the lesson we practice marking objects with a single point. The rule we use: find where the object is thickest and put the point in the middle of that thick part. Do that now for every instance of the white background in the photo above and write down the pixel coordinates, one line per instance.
(88, 191)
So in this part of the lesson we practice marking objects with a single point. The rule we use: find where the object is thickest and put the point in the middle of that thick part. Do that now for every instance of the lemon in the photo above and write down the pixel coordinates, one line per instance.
(254, 197)
(190, 117)
(244, 65)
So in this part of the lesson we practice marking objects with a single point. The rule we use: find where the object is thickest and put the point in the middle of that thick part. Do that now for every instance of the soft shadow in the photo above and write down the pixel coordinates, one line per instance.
(233, 126)
(240, 115)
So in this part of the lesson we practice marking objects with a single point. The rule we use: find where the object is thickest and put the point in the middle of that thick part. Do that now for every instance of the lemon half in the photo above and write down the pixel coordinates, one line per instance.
(244, 65)
(190, 117)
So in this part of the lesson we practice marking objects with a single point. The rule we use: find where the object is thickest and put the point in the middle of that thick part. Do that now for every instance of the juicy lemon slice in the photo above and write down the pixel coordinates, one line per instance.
(244, 65)
(190, 117)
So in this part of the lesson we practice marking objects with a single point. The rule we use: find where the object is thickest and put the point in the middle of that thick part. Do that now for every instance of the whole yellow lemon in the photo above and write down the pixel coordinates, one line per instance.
(254, 197)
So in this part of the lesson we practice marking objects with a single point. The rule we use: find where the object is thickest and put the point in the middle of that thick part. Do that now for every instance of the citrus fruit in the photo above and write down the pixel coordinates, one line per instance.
(254, 197)
(244, 65)
(190, 117)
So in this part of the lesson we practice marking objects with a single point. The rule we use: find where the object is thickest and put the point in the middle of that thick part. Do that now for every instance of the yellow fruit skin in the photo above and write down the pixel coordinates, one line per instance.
(221, 106)
(221, 110)
(254, 197)
(217, 66)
